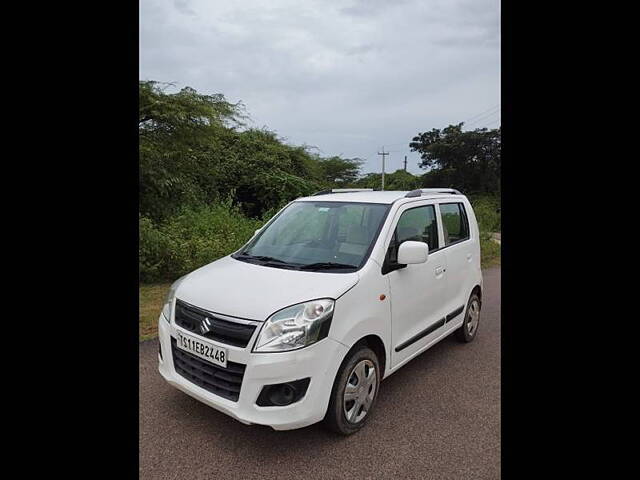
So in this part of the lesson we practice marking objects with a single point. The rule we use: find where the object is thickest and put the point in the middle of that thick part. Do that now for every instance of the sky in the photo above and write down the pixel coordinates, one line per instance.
(345, 76)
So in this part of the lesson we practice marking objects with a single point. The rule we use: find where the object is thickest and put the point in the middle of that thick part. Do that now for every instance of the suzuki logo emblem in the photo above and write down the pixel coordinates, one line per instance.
(205, 326)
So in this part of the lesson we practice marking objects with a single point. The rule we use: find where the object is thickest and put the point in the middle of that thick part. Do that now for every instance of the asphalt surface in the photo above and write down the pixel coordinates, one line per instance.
(438, 417)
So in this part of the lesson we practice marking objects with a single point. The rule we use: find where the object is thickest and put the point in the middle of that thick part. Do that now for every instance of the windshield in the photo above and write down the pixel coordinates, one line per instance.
(318, 236)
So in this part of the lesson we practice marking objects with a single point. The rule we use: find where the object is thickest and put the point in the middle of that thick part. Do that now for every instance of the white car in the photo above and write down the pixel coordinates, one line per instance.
(336, 292)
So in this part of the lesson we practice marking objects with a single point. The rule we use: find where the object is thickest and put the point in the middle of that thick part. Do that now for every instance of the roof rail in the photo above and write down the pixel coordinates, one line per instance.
(342, 190)
(421, 191)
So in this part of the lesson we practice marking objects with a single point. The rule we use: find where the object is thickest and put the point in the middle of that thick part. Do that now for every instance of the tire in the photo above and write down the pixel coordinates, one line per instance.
(356, 370)
(467, 332)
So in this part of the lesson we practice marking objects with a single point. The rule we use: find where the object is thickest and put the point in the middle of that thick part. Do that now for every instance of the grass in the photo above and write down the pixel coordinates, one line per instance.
(489, 252)
(151, 299)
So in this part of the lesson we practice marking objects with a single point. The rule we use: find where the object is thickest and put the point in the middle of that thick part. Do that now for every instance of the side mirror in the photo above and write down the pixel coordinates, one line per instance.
(257, 231)
(411, 252)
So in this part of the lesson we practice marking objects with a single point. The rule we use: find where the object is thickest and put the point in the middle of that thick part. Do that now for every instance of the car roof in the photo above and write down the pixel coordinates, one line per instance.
(386, 197)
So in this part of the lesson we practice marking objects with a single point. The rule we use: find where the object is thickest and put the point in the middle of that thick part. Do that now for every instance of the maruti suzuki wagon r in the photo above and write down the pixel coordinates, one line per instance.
(335, 293)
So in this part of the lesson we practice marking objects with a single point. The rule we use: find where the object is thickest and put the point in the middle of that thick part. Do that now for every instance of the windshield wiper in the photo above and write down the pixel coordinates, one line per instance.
(262, 258)
(267, 261)
(325, 266)
(310, 266)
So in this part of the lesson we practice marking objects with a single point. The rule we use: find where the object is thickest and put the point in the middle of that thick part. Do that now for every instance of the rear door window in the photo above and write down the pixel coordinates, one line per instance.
(455, 224)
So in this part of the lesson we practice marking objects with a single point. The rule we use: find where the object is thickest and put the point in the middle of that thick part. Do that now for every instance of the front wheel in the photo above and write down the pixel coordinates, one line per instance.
(354, 392)
(467, 332)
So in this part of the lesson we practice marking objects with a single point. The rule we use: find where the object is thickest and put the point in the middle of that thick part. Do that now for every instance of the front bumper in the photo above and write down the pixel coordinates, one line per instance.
(320, 362)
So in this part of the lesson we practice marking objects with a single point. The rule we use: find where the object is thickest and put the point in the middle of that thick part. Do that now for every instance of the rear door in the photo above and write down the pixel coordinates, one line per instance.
(459, 250)
(416, 291)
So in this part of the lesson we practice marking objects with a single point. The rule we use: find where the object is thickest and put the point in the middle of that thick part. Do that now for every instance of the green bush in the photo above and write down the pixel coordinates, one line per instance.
(489, 250)
(486, 210)
(191, 239)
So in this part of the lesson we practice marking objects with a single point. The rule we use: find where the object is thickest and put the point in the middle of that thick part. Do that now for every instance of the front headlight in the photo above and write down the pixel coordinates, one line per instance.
(296, 327)
(168, 303)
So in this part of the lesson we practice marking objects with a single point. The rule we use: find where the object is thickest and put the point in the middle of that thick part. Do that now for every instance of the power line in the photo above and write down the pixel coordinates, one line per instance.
(483, 118)
(494, 120)
(488, 112)
(482, 113)
(488, 124)
(474, 120)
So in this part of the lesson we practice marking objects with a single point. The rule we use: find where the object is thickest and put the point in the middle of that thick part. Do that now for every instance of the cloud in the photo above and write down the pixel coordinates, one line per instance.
(347, 77)
(183, 6)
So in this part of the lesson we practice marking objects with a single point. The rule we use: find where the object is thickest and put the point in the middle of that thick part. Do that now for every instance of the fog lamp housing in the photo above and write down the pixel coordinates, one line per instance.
(282, 394)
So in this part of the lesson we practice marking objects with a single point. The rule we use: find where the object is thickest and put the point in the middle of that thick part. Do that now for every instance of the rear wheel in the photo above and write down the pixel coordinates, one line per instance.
(467, 332)
(354, 392)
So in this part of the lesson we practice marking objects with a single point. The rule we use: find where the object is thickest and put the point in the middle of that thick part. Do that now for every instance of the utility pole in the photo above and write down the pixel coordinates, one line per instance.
(405, 163)
(384, 154)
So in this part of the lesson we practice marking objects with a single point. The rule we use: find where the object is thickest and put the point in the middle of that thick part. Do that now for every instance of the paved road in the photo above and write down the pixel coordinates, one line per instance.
(436, 418)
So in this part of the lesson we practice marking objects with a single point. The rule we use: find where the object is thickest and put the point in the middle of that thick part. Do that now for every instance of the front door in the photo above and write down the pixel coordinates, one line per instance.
(417, 291)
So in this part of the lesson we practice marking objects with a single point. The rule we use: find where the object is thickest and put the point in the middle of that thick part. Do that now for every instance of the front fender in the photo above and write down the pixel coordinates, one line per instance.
(361, 312)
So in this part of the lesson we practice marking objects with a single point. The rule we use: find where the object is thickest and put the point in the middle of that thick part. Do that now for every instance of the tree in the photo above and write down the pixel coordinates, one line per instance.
(468, 161)
(398, 180)
(176, 135)
(186, 108)
(194, 151)
(340, 171)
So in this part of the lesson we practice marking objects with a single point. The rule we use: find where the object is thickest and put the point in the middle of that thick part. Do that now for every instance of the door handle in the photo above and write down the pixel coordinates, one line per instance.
(469, 256)
(440, 270)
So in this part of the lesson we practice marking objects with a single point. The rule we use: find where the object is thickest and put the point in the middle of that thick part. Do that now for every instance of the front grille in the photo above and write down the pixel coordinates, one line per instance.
(225, 382)
(190, 318)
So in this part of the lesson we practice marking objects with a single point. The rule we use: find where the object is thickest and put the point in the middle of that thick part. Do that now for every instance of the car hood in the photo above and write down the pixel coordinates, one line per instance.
(239, 289)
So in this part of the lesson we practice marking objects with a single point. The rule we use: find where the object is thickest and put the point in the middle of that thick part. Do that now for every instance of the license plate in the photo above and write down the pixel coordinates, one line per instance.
(202, 349)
